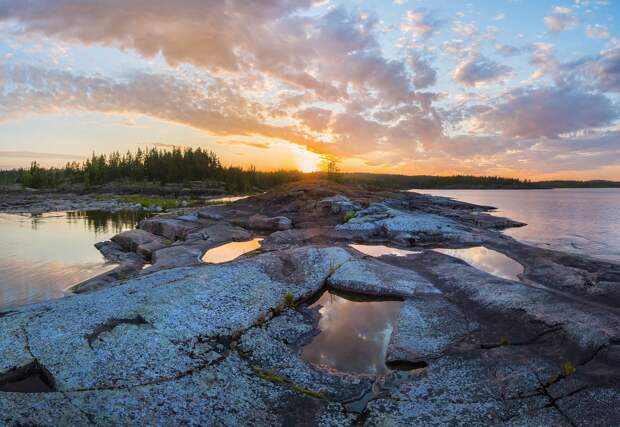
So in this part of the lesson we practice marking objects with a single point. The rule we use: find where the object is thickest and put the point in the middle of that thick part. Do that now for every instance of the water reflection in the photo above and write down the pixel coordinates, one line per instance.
(380, 250)
(354, 334)
(41, 256)
(230, 251)
(488, 260)
(581, 220)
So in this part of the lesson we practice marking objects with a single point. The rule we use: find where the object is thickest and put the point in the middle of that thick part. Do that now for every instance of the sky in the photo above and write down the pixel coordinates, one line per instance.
(520, 88)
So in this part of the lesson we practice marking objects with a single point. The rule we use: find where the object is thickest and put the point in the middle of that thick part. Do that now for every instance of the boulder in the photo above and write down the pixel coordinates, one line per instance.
(261, 222)
(131, 240)
(338, 205)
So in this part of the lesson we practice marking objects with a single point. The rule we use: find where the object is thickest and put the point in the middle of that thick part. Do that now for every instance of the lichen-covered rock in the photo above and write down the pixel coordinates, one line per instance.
(372, 277)
(147, 327)
(426, 327)
(338, 205)
(273, 348)
(587, 326)
(406, 227)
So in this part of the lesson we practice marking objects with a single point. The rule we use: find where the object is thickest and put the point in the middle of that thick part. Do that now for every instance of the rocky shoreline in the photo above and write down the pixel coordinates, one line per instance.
(184, 342)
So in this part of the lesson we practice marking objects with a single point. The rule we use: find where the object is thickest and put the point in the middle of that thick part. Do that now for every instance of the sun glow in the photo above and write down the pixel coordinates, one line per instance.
(307, 161)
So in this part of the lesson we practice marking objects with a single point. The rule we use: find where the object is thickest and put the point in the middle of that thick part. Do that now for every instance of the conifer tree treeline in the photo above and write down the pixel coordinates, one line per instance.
(153, 165)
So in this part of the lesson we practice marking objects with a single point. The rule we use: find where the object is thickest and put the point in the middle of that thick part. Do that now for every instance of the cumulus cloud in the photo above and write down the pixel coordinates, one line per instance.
(478, 70)
(421, 23)
(605, 70)
(561, 19)
(424, 74)
(547, 112)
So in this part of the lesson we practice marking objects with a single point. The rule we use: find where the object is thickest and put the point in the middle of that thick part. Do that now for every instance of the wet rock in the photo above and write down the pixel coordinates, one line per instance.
(426, 327)
(372, 277)
(261, 222)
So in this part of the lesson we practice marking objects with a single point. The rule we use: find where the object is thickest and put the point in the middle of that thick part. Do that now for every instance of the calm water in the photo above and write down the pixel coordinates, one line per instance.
(43, 255)
(585, 221)
(354, 334)
(487, 260)
(230, 251)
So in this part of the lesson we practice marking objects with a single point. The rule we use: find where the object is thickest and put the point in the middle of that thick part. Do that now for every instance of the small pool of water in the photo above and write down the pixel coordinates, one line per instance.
(230, 251)
(488, 260)
(354, 334)
(41, 256)
(380, 250)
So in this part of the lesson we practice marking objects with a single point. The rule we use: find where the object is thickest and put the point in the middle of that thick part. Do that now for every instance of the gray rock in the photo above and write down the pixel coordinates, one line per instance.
(372, 277)
(171, 229)
(146, 328)
(261, 222)
(132, 240)
(338, 205)
(426, 327)
(406, 227)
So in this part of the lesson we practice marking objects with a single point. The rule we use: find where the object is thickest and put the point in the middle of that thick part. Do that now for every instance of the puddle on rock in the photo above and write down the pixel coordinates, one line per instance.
(488, 260)
(354, 335)
(230, 251)
(380, 250)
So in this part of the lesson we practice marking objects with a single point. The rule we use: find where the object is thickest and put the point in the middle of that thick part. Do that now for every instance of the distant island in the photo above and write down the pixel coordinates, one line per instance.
(155, 170)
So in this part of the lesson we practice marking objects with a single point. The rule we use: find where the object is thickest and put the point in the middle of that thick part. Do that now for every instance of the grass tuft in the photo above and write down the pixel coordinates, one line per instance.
(277, 379)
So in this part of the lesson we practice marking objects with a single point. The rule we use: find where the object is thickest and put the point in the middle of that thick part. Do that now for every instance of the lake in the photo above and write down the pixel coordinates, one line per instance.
(584, 220)
(43, 255)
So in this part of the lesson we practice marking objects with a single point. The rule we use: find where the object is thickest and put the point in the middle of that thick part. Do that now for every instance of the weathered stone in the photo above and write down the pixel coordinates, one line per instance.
(427, 325)
(131, 240)
(406, 228)
(85, 344)
(372, 277)
(338, 205)
(261, 222)
(171, 229)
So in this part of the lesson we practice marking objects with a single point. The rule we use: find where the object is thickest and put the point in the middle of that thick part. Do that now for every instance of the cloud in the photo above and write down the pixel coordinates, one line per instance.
(507, 50)
(605, 70)
(597, 31)
(561, 19)
(478, 70)
(547, 112)
(420, 23)
(316, 119)
(424, 74)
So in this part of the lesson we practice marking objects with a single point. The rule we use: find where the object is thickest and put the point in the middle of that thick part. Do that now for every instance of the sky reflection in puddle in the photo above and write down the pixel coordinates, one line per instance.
(230, 251)
(380, 250)
(488, 260)
(354, 334)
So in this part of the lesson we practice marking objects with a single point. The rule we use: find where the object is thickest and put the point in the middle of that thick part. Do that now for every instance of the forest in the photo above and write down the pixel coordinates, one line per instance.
(152, 165)
(188, 165)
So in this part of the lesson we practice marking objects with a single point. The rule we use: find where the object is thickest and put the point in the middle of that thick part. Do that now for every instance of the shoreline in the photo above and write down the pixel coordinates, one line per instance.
(171, 326)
